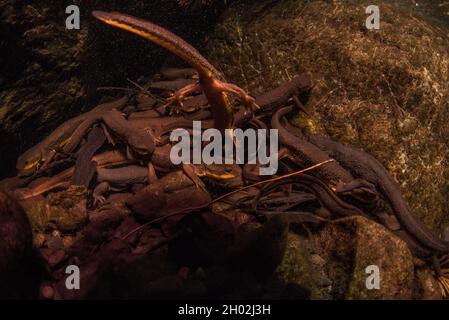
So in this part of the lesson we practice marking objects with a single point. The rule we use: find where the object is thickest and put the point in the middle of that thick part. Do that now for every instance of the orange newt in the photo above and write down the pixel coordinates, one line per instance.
(211, 81)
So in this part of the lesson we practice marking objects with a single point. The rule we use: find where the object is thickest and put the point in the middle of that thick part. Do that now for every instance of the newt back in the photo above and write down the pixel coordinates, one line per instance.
(162, 37)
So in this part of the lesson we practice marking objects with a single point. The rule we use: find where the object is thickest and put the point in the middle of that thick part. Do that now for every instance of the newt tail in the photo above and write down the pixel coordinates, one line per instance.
(212, 81)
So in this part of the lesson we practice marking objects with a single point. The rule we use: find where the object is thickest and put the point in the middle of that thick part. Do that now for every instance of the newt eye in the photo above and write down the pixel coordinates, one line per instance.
(39, 164)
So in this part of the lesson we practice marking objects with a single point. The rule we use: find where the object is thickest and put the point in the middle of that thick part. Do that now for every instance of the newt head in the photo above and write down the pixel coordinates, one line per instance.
(29, 162)
(118, 20)
(228, 175)
(160, 36)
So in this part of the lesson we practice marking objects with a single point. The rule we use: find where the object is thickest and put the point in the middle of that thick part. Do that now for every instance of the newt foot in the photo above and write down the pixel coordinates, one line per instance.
(245, 99)
(176, 100)
(99, 200)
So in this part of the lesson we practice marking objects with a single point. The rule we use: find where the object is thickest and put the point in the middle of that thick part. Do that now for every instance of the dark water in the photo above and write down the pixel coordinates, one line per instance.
(435, 12)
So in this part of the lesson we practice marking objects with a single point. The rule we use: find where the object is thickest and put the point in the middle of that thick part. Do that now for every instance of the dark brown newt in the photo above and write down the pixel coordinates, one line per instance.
(219, 174)
(279, 96)
(109, 158)
(323, 193)
(145, 114)
(172, 193)
(370, 169)
(212, 82)
(308, 153)
(119, 178)
(140, 140)
(84, 166)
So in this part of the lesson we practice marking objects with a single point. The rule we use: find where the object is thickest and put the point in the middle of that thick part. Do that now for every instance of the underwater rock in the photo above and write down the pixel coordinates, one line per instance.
(427, 286)
(384, 91)
(350, 245)
(15, 248)
(64, 211)
(260, 250)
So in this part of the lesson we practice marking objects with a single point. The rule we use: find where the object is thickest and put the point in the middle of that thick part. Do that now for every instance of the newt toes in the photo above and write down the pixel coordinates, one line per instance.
(107, 158)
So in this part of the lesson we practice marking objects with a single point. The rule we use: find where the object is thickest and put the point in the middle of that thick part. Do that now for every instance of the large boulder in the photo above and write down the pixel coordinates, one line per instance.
(297, 266)
(332, 263)
(351, 245)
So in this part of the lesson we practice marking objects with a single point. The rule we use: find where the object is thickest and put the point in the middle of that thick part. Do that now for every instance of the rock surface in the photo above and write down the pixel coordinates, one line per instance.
(63, 211)
(297, 267)
(350, 245)
(332, 263)
(385, 91)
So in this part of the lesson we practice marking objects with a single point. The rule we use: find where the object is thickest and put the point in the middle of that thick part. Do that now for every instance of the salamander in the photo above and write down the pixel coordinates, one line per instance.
(118, 178)
(212, 82)
(279, 96)
(43, 152)
(308, 153)
(365, 166)
(84, 166)
(105, 159)
(141, 141)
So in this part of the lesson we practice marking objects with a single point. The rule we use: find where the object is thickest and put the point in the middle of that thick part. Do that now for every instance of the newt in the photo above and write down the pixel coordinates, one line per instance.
(365, 166)
(145, 114)
(118, 178)
(211, 82)
(140, 140)
(194, 103)
(173, 192)
(279, 96)
(84, 166)
(43, 152)
(62, 179)
(251, 172)
(219, 174)
(308, 153)
(162, 126)
(323, 193)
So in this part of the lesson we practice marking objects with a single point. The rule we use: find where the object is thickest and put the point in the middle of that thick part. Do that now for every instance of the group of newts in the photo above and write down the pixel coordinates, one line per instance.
(123, 145)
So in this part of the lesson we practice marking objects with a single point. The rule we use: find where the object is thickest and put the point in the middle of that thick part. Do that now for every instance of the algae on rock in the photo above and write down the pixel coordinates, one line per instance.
(296, 267)
(350, 245)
